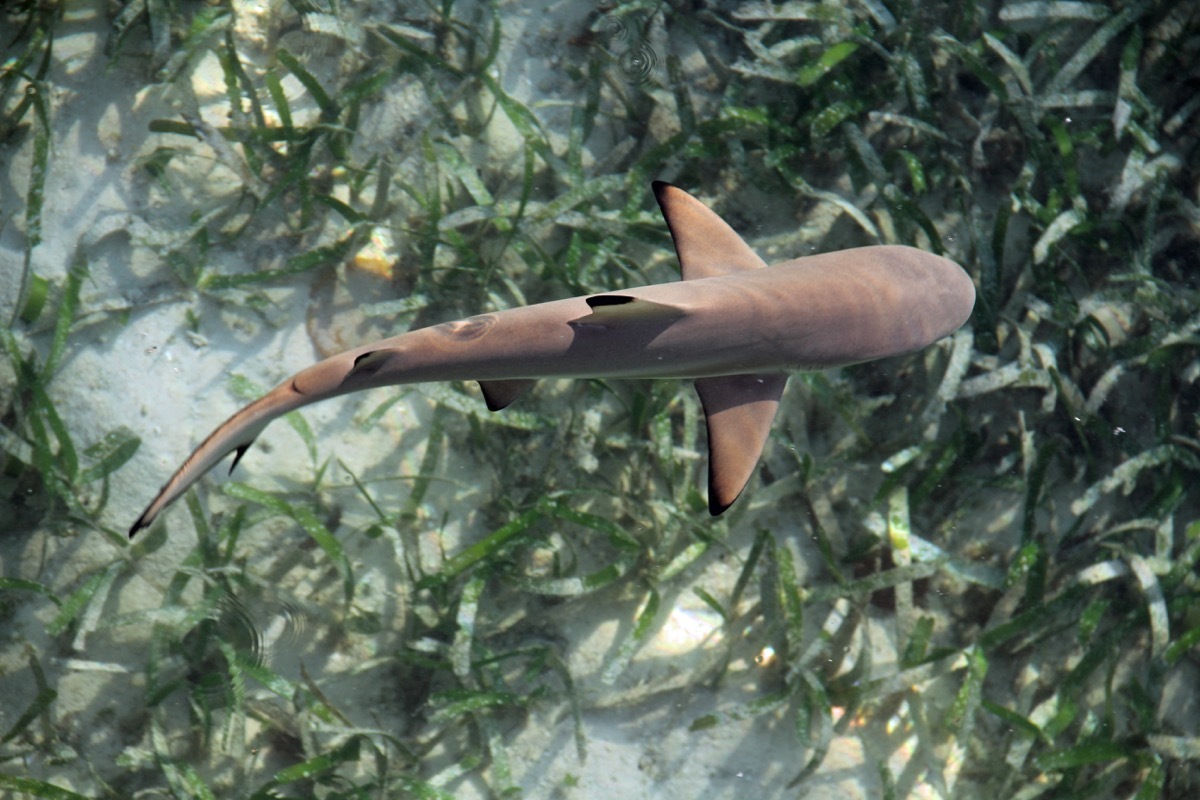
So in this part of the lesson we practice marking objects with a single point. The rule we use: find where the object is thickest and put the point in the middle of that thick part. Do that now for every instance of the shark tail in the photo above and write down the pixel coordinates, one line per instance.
(235, 435)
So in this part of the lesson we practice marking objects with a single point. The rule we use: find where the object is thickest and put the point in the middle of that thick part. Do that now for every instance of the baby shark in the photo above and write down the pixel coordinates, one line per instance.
(734, 325)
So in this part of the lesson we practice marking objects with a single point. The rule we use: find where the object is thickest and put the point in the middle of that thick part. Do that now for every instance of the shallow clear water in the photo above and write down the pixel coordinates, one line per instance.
(967, 570)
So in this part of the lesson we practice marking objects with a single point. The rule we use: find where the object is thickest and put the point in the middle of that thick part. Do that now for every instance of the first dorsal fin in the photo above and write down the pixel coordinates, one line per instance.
(612, 309)
(705, 244)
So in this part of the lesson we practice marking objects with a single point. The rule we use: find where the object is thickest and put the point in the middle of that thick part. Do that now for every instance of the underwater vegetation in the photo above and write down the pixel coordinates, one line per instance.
(979, 562)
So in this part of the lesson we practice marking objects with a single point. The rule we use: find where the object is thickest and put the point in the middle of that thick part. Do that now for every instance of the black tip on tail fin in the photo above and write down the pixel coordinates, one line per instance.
(137, 525)
(239, 451)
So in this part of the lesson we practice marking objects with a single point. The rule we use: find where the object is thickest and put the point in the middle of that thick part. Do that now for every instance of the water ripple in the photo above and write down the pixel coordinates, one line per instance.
(626, 39)
(638, 62)
(253, 633)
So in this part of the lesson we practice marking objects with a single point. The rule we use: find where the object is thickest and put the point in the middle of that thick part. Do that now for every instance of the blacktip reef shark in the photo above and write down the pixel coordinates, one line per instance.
(733, 324)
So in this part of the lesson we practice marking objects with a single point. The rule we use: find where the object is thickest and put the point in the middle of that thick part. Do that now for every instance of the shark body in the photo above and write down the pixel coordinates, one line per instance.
(733, 324)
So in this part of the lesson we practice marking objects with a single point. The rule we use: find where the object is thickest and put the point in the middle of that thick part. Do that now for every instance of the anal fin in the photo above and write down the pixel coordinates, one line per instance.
(501, 393)
(739, 410)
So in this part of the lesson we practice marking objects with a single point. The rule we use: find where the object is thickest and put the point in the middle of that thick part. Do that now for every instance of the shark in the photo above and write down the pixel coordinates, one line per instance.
(733, 325)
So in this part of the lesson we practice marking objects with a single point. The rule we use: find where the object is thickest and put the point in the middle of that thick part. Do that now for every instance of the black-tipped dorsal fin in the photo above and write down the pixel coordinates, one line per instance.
(500, 394)
(739, 410)
(612, 309)
(705, 244)
(368, 363)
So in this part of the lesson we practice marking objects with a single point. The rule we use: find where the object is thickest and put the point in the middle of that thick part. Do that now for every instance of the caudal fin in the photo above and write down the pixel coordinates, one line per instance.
(235, 435)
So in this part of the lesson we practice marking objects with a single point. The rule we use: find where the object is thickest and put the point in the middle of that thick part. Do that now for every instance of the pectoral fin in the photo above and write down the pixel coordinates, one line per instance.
(501, 394)
(739, 411)
(706, 245)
